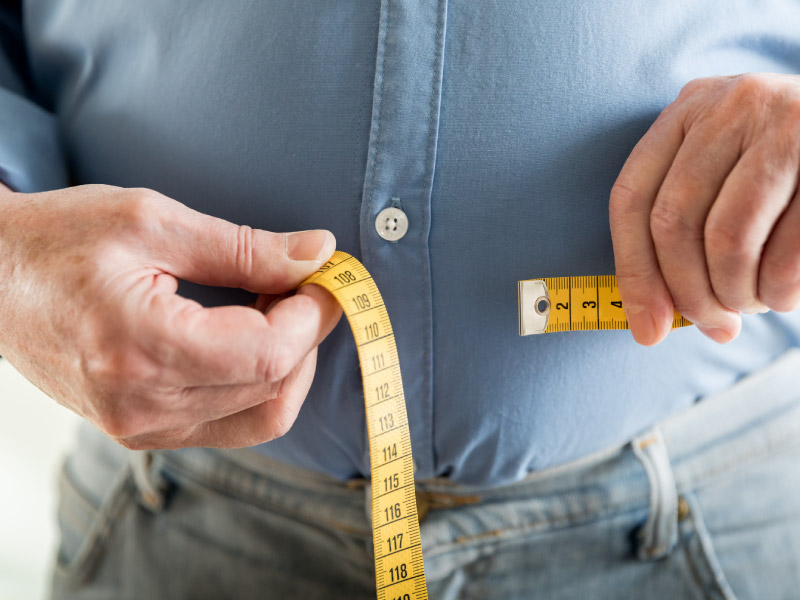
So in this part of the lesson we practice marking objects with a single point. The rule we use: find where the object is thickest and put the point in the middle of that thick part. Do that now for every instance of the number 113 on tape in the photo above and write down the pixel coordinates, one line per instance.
(588, 303)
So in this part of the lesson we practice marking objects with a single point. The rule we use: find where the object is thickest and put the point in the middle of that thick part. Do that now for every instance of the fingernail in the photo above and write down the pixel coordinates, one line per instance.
(642, 324)
(307, 245)
(722, 336)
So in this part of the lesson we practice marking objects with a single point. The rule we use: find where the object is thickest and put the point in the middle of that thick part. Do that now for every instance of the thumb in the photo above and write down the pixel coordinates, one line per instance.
(212, 251)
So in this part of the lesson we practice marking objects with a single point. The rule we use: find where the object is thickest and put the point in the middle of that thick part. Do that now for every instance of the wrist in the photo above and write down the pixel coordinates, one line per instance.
(6, 227)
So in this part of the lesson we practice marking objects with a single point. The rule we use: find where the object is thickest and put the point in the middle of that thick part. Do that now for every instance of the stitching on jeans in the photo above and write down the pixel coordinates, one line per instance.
(715, 574)
(511, 533)
(101, 529)
(785, 442)
(256, 501)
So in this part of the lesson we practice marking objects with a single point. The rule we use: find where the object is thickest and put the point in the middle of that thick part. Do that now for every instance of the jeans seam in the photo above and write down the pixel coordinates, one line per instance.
(494, 536)
(708, 555)
(99, 530)
(707, 476)
(259, 502)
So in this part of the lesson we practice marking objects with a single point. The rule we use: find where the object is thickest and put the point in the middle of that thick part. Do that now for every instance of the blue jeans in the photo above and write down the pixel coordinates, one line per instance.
(704, 505)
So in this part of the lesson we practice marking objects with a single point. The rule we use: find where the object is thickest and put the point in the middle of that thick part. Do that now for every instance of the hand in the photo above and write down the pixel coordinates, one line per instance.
(705, 214)
(90, 314)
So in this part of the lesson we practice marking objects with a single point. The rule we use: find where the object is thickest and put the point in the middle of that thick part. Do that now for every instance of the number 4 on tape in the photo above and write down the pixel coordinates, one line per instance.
(573, 304)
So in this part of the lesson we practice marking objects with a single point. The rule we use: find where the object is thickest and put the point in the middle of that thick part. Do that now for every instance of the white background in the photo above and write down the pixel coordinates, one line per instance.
(35, 434)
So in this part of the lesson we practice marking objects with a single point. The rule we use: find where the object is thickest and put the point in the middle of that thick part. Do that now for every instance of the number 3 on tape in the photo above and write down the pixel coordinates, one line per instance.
(573, 304)
(399, 572)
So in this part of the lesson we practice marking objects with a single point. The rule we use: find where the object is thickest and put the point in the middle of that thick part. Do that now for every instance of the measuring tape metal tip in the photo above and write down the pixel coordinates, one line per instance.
(534, 306)
(590, 303)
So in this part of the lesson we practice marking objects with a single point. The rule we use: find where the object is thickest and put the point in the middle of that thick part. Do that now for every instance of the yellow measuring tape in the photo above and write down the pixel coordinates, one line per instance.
(399, 571)
(545, 305)
(573, 304)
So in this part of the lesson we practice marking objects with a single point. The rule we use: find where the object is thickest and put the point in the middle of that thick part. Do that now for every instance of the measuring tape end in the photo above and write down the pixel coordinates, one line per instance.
(533, 300)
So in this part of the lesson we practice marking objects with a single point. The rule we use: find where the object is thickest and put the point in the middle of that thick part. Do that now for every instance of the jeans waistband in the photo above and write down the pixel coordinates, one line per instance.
(751, 418)
(721, 431)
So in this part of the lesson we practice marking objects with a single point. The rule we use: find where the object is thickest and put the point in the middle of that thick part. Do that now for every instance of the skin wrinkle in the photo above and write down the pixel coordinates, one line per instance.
(709, 261)
(122, 349)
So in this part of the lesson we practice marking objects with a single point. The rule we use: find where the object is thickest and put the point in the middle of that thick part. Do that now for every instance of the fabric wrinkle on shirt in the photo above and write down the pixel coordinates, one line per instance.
(500, 127)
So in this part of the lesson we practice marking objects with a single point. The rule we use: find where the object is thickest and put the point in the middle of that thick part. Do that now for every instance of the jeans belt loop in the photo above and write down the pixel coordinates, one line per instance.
(151, 488)
(368, 500)
(659, 535)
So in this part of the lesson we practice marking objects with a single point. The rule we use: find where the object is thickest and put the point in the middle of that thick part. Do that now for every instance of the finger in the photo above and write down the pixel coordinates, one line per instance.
(779, 272)
(749, 204)
(264, 422)
(678, 223)
(209, 403)
(265, 302)
(212, 251)
(186, 409)
(648, 305)
(236, 344)
(261, 423)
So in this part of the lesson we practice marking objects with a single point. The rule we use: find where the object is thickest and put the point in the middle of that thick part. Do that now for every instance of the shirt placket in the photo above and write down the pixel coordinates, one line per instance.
(396, 203)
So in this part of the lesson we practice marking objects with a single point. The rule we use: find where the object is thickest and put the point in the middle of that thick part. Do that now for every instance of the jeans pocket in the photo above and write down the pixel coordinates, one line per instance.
(746, 526)
(85, 523)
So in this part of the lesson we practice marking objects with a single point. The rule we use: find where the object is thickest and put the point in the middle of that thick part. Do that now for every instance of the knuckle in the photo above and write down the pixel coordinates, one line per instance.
(623, 200)
(783, 267)
(119, 423)
(694, 86)
(783, 301)
(789, 126)
(118, 370)
(254, 250)
(278, 365)
(115, 382)
(668, 224)
(141, 208)
(728, 241)
(132, 443)
(793, 110)
(748, 89)
(694, 306)
(632, 280)
(280, 428)
(281, 423)
(244, 250)
(779, 287)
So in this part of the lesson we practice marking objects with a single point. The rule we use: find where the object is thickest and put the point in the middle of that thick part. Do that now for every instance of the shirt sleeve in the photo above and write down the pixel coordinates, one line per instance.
(31, 158)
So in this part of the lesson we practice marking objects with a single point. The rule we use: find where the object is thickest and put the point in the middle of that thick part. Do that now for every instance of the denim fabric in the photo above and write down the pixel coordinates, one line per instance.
(704, 505)
(498, 127)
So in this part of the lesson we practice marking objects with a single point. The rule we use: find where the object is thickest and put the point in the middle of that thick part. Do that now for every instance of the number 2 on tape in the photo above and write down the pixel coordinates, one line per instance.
(399, 571)
(573, 304)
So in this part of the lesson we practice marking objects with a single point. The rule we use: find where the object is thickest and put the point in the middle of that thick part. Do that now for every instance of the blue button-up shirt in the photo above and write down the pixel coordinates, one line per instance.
(497, 127)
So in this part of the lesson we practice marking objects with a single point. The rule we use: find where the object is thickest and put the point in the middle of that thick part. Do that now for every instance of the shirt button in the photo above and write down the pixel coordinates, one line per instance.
(391, 224)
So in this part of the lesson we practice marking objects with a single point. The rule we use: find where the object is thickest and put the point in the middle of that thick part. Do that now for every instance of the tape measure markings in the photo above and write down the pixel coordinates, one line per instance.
(397, 545)
(582, 303)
